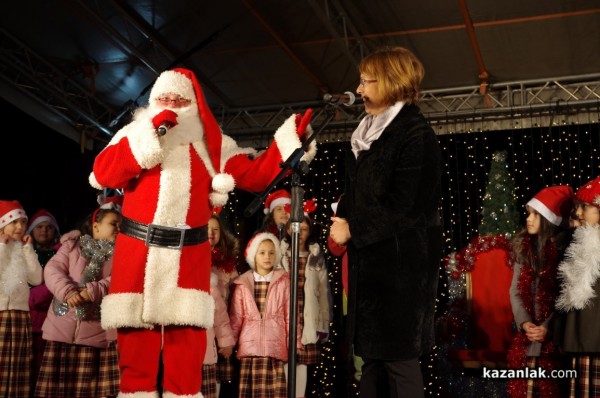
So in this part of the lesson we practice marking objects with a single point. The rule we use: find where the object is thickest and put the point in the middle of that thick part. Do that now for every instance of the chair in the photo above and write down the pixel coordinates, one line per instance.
(488, 312)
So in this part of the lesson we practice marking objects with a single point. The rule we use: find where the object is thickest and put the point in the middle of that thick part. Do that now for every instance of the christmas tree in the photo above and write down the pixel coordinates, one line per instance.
(498, 213)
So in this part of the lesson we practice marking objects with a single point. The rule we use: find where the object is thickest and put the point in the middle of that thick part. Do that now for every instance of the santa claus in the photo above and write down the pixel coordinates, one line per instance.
(174, 165)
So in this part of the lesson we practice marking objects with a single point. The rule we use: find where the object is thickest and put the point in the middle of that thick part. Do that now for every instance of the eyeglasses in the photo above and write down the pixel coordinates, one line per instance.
(363, 82)
(167, 100)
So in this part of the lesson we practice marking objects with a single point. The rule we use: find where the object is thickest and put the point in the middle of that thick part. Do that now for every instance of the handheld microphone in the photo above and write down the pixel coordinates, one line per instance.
(162, 129)
(346, 99)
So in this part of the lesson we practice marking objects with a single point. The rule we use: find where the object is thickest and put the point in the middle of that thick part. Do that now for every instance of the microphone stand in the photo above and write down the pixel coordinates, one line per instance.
(298, 168)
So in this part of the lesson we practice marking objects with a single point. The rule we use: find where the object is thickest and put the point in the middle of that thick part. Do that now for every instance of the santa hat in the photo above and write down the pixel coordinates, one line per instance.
(554, 203)
(277, 198)
(184, 83)
(10, 210)
(41, 216)
(256, 240)
(590, 193)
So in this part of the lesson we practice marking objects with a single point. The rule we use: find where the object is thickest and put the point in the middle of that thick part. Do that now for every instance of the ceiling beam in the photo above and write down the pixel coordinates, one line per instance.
(447, 110)
(286, 48)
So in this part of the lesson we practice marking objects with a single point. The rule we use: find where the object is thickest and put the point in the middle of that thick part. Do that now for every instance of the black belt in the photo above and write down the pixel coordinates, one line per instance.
(170, 237)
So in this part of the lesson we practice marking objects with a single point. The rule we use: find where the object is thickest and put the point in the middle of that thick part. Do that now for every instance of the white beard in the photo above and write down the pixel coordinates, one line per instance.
(188, 130)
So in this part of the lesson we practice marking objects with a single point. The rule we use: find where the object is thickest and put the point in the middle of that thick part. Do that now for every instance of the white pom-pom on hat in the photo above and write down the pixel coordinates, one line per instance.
(223, 183)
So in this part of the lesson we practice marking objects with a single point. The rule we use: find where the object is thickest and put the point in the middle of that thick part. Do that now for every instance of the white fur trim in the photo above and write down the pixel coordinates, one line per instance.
(541, 208)
(223, 183)
(276, 202)
(123, 310)
(170, 304)
(312, 147)
(580, 269)
(229, 149)
(168, 394)
(93, 182)
(253, 247)
(144, 144)
(11, 216)
(218, 199)
(286, 138)
(173, 82)
(139, 394)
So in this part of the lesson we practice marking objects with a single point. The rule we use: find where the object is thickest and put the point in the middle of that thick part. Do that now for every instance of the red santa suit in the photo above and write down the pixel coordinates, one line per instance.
(159, 296)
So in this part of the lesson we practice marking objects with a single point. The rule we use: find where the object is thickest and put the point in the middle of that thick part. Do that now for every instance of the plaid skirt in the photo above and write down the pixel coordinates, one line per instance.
(310, 355)
(15, 353)
(262, 377)
(209, 381)
(78, 371)
(587, 382)
(227, 368)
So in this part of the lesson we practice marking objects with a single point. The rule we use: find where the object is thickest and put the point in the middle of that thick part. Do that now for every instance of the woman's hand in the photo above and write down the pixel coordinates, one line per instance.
(339, 230)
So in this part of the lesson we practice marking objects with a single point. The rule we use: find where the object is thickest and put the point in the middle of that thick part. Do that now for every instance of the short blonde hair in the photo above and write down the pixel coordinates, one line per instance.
(398, 73)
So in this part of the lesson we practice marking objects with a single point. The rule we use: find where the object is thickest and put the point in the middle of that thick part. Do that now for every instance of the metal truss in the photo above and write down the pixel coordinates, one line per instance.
(533, 103)
(544, 102)
(45, 84)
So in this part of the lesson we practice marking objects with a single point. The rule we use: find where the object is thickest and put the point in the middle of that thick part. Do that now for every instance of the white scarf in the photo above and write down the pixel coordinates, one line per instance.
(579, 269)
(371, 127)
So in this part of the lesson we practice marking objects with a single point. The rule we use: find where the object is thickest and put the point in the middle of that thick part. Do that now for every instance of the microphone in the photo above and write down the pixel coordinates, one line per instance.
(162, 129)
(346, 99)
(280, 228)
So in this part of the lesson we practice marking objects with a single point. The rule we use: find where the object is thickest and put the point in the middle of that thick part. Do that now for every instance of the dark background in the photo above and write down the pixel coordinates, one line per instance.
(44, 169)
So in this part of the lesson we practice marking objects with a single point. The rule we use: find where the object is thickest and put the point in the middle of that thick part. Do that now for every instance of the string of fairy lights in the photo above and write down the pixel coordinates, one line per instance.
(537, 157)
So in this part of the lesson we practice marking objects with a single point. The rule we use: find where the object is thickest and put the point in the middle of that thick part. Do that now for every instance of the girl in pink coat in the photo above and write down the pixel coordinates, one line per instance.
(220, 342)
(259, 316)
(80, 359)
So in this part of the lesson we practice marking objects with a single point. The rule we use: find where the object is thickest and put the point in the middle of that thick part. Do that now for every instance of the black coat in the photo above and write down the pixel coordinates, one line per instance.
(391, 202)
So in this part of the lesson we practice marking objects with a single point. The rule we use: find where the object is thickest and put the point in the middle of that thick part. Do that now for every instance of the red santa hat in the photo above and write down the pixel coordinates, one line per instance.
(253, 244)
(184, 83)
(554, 203)
(590, 193)
(41, 216)
(10, 210)
(277, 198)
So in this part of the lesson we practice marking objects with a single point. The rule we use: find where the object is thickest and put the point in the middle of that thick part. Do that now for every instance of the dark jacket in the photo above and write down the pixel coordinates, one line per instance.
(392, 203)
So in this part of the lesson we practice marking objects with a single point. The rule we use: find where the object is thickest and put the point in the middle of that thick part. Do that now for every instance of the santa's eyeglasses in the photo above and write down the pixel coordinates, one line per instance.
(176, 101)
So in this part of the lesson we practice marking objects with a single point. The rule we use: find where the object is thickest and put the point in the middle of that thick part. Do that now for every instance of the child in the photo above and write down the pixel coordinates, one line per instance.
(81, 358)
(45, 236)
(537, 252)
(259, 317)
(19, 266)
(314, 299)
(579, 273)
(277, 212)
(224, 254)
(220, 343)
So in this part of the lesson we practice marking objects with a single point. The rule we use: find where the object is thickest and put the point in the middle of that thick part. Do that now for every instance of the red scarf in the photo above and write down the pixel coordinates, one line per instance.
(221, 262)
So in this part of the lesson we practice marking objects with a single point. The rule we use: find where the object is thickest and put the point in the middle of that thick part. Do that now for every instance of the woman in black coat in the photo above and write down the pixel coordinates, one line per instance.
(389, 219)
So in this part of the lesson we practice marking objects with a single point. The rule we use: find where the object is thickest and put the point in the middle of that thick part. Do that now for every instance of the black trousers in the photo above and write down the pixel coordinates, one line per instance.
(391, 379)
